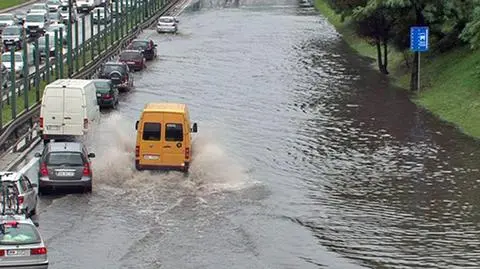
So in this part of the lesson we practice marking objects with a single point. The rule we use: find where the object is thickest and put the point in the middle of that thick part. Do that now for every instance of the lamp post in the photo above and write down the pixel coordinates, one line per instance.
(69, 40)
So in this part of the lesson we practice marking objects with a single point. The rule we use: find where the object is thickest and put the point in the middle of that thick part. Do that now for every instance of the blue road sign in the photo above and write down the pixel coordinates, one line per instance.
(419, 39)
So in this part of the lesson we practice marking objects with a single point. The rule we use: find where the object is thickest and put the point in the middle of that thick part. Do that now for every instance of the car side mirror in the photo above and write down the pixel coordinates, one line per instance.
(35, 222)
(91, 155)
(38, 155)
(136, 125)
(194, 128)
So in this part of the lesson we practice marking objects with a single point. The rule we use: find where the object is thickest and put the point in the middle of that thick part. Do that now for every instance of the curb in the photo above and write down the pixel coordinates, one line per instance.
(8, 9)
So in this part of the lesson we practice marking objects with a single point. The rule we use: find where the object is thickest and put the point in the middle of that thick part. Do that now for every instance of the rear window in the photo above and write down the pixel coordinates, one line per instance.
(21, 235)
(166, 20)
(140, 45)
(102, 84)
(174, 132)
(65, 158)
(107, 69)
(151, 131)
(131, 56)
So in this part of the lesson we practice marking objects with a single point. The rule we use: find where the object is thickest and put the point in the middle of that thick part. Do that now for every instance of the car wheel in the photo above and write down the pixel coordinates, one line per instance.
(88, 189)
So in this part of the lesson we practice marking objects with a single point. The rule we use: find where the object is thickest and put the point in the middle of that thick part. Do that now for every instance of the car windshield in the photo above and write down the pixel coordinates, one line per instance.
(53, 2)
(134, 56)
(166, 20)
(65, 158)
(6, 58)
(12, 31)
(38, 7)
(109, 68)
(22, 234)
(139, 45)
(6, 17)
(53, 15)
(35, 18)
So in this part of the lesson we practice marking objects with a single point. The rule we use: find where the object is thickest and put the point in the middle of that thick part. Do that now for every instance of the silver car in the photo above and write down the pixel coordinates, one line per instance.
(65, 164)
(53, 5)
(24, 189)
(40, 7)
(21, 245)
(167, 24)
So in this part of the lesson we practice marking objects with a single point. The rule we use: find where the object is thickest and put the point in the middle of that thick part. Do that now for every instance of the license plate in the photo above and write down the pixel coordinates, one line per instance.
(130, 62)
(151, 157)
(65, 174)
(18, 252)
(53, 127)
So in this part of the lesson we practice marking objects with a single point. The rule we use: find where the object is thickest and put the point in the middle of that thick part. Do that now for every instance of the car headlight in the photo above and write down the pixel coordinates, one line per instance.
(17, 39)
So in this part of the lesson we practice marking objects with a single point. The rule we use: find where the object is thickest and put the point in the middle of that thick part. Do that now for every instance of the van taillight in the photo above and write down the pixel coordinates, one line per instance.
(86, 170)
(137, 151)
(187, 153)
(43, 169)
(40, 121)
(85, 123)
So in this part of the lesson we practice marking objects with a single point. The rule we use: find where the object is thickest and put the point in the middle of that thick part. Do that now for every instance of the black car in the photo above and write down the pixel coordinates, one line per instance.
(119, 74)
(147, 47)
(107, 95)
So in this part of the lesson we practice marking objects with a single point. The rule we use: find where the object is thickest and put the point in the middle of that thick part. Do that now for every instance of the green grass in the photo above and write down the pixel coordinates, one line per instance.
(10, 3)
(450, 82)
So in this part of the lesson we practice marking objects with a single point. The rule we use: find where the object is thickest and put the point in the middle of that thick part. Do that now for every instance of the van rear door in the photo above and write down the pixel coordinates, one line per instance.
(52, 107)
(174, 140)
(74, 114)
(150, 148)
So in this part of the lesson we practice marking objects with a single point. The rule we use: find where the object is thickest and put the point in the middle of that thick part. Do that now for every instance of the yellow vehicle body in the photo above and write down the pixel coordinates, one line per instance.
(164, 139)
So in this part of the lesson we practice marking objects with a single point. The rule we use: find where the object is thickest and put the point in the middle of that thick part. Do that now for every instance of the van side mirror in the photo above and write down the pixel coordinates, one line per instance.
(136, 125)
(194, 128)
(91, 155)
(38, 155)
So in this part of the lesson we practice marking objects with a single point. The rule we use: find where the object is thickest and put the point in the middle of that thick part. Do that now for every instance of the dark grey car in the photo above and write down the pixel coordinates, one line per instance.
(65, 164)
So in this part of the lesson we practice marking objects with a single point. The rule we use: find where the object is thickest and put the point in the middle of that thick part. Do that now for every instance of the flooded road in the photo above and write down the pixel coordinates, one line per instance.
(304, 159)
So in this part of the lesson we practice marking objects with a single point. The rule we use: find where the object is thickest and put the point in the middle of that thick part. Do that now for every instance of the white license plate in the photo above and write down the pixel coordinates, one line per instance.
(151, 157)
(65, 174)
(130, 62)
(53, 127)
(18, 252)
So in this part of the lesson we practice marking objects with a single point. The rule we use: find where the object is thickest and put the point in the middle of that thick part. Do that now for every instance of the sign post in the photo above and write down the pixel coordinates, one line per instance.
(418, 44)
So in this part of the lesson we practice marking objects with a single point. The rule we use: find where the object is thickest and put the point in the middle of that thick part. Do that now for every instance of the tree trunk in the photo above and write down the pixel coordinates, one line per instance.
(385, 56)
(381, 66)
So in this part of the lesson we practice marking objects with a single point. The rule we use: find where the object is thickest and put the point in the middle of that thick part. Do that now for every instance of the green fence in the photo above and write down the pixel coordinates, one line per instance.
(24, 89)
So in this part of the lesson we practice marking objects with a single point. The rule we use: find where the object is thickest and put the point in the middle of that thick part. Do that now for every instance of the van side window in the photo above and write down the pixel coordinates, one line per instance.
(151, 131)
(174, 132)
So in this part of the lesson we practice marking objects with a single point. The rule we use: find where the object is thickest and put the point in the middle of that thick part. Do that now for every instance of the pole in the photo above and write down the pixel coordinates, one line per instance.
(77, 66)
(92, 37)
(60, 58)
(418, 72)
(69, 40)
(55, 43)
(124, 12)
(105, 29)
(47, 57)
(37, 72)
(13, 96)
(99, 39)
(117, 18)
(84, 47)
(26, 83)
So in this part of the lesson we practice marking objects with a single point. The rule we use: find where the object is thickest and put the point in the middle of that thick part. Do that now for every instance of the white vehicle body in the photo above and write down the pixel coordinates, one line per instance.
(69, 108)
(64, 12)
(87, 5)
(18, 60)
(167, 24)
(26, 190)
(36, 26)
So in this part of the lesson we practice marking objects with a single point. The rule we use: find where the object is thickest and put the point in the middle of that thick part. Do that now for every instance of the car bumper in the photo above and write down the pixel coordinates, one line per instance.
(166, 29)
(182, 168)
(30, 266)
(135, 67)
(103, 102)
(45, 182)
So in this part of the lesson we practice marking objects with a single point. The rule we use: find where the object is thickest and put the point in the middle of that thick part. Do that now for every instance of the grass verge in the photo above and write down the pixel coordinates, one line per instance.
(10, 3)
(450, 81)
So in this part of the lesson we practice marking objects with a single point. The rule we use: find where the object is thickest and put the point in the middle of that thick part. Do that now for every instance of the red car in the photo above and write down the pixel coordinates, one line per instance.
(134, 59)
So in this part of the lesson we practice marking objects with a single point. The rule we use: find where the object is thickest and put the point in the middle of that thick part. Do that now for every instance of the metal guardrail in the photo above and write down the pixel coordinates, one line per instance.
(87, 71)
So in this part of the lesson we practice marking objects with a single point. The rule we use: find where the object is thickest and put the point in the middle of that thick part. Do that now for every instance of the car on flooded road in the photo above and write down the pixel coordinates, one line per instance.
(21, 245)
(8, 19)
(65, 164)
(12, 37)
(134, 59)
(119, 73)
(164, 139)
(167, 24)
(107, 95)
(146, 46)
(23, 188)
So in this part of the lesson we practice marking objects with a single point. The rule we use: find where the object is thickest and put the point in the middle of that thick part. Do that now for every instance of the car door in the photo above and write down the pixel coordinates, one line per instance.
(23, 191)
(30, 194)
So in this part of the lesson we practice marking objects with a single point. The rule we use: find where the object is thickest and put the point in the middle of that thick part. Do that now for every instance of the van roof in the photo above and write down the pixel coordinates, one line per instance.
(70, 82)
(165, 107)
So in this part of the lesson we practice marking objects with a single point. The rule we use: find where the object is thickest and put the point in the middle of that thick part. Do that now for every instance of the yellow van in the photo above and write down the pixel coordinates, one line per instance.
(164, 137)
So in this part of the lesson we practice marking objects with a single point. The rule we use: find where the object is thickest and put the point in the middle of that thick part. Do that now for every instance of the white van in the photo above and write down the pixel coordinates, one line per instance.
(69, 109)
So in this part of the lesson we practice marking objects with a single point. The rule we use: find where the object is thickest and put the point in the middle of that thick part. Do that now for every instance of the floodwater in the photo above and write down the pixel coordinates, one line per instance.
(304, 159)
